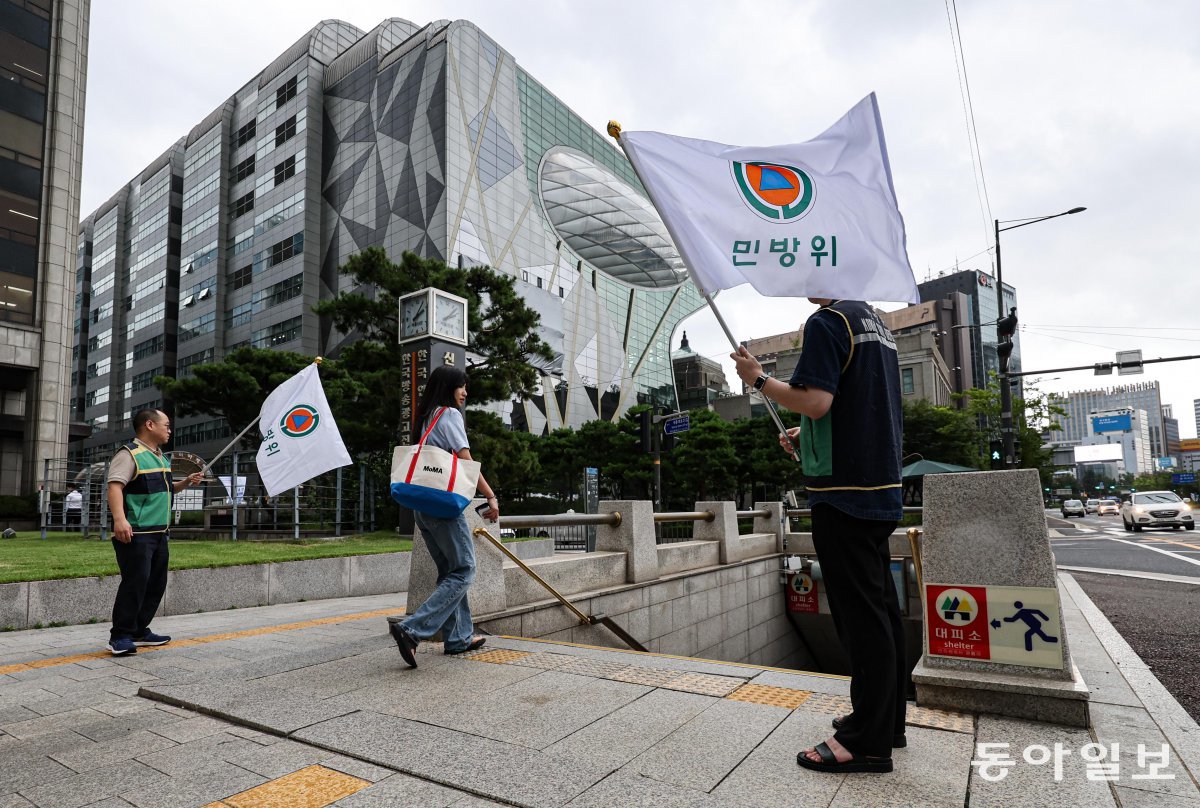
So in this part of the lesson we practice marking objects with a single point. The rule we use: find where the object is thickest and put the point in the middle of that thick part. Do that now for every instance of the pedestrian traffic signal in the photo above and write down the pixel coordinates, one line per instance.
(997, 455)
(645, 425)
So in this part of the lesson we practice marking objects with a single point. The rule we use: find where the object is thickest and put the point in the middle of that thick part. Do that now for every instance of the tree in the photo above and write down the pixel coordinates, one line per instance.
(942, 434)
(509, 458)
(502, 330)
(558, 459)
(760, 460)
(703, 464)
(1032, 414)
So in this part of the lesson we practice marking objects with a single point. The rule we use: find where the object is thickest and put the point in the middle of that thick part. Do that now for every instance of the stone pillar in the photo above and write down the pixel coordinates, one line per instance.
(772, 523)
(487, 592)
(634, 537)
(723, 528)
(995, 640)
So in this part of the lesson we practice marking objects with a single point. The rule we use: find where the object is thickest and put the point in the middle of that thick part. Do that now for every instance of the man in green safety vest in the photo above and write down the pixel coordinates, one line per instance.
(140, 487)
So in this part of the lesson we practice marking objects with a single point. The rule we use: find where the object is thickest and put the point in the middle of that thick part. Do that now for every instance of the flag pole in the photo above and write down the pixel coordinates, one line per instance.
(614, 130)
(241, 434)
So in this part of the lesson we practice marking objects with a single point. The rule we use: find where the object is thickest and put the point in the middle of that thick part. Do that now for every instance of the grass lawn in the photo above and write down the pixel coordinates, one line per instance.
(65, 555)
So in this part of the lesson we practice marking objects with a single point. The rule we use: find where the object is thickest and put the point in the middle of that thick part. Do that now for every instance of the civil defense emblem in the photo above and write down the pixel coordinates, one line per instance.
(299, 421)
(957, 606)
(776, 192)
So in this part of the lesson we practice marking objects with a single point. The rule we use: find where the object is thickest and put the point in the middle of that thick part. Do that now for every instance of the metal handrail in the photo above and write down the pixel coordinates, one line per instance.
(612, 519)
(763, 514)
(798, 512)
(685, 516)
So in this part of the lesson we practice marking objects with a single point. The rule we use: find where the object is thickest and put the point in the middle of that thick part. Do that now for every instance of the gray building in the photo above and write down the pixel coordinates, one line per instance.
(699, 381)
(430, 139)
(43, 69)
(1080, 405)
(979, 325)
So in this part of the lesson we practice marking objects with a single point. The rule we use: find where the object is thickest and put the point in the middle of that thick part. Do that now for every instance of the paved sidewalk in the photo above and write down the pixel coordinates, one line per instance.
(308, 704)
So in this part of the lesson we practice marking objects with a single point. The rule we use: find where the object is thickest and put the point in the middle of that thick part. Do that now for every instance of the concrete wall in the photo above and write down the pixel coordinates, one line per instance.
(81, 600)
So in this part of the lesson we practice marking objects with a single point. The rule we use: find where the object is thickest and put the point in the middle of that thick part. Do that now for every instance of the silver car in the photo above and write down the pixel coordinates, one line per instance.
(1156, 509)
(1073, 507)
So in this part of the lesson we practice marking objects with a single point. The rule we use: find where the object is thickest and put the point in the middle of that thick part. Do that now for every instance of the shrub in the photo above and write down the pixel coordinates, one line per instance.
(18, 507)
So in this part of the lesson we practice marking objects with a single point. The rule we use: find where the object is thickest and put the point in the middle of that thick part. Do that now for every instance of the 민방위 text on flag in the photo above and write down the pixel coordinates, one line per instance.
(815, 219)
(300, 437)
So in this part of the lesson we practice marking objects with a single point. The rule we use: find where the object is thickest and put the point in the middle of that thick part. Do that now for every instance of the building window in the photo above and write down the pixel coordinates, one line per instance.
(185, 365)
(238, 315)
(285, 131)
(148, 348)
(243, 169)
(245, 134)
(287, 92)
(243, 205)
(277, 334)
(285, 249)
(241, 277)
(906, 381)
(285, 170)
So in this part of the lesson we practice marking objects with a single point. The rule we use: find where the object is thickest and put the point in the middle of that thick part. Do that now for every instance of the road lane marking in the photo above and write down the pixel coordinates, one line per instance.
(1173, 541)
(227, 635)
(1159, 550)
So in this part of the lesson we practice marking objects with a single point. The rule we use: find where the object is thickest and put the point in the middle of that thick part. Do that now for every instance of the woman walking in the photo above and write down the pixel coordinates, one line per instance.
(449, 540)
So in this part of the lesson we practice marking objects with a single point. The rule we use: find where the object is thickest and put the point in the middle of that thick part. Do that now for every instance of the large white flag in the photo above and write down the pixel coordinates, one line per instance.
(300, 437)
(814, 219)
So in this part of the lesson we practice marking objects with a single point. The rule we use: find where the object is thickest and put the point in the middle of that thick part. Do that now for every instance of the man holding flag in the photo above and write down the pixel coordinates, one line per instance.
(817, 220)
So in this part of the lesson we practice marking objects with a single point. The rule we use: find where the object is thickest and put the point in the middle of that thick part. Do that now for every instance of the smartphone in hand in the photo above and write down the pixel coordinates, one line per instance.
(481, 508)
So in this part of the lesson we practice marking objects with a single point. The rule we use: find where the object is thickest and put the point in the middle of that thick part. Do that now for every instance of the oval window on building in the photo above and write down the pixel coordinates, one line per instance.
(607, 222)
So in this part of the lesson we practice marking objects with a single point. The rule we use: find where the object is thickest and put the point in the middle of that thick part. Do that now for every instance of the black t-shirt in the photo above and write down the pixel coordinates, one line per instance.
(851, 455)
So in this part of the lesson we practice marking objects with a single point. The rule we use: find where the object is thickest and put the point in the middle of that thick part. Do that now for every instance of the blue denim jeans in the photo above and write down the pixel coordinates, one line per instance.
(453, 550)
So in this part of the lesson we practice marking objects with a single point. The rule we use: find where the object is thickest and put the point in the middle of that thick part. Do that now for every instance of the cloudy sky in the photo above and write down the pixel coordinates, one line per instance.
(1075, 103)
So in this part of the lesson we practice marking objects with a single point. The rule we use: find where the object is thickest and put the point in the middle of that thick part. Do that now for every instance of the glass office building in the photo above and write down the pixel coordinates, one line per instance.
(983, 311)
(428, 139)
(43, 57)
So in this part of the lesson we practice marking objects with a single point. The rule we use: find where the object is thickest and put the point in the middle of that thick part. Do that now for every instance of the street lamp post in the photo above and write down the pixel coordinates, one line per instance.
(1005, 329)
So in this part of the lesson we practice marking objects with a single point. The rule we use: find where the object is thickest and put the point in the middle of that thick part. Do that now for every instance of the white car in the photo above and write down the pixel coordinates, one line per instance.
(1092, 505)
(1108, 508)
(1156, 509)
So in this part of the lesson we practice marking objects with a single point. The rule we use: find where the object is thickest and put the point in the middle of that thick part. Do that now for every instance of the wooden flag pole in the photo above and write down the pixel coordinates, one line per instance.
(614, 130)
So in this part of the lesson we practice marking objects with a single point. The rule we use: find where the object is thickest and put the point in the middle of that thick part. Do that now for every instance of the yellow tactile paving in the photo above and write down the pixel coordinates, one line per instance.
(770, 695)
(310, 787)
(705, 684)
(208, 638)
(546, 661)
(497, 657)
(940, 719)
(828, 704)
(651, 677)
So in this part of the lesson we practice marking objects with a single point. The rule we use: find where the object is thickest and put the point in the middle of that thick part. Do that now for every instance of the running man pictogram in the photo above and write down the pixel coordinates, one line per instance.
(1031, 618)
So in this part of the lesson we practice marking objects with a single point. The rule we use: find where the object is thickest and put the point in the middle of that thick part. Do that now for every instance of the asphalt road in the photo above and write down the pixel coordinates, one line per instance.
(1160, 619)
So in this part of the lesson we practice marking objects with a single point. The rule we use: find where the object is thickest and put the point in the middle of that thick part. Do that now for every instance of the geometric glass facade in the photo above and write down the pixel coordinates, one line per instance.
(980, 290)
(423, 139)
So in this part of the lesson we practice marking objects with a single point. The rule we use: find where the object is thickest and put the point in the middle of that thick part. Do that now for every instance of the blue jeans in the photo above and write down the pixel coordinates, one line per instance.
(449, 542)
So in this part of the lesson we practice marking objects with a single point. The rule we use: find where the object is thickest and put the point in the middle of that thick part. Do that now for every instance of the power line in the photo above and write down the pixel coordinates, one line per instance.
(964, 89)
(1043, 331)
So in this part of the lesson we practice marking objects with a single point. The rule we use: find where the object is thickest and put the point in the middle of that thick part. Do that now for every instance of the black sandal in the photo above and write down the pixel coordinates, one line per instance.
(899, 741)
(855, 765)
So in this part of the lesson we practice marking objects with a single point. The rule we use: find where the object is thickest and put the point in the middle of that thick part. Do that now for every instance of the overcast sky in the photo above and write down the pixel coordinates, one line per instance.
(1076, 103)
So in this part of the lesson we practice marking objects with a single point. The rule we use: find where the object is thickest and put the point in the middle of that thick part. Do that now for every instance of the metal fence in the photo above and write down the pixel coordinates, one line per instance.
(231, 502)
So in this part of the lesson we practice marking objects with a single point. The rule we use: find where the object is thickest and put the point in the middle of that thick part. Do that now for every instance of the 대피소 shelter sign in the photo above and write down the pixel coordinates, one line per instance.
(1015, 625)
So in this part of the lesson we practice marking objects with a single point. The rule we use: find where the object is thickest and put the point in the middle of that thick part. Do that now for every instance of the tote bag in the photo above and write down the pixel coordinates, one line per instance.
(432, 480)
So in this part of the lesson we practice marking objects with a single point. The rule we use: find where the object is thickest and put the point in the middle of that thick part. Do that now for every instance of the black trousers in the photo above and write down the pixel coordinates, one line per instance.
(856, 565)
(143, 564)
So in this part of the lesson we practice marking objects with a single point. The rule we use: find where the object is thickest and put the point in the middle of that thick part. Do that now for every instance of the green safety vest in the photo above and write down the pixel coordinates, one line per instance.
(148, 495)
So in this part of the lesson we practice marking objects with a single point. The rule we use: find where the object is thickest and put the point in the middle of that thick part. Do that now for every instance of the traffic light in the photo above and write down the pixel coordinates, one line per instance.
(997, 455)
(1007, 326)
(645, 425)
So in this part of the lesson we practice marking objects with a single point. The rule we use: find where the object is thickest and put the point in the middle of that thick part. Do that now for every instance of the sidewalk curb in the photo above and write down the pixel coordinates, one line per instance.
(1180, 730)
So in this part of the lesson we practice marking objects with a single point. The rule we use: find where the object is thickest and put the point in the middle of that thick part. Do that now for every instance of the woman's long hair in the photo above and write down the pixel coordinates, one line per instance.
(439, 391)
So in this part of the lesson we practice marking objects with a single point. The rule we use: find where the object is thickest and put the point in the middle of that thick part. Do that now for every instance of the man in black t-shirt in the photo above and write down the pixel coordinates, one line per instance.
(846, 386)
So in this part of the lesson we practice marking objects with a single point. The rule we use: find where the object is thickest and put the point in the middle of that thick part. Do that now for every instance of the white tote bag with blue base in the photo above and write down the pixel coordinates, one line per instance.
(432, 480)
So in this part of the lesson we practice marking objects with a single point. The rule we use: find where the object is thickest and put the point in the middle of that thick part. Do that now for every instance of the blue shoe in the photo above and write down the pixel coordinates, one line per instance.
(122, 646)
(150, 638)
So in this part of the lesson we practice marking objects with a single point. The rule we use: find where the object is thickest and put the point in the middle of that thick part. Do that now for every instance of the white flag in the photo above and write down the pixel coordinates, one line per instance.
(815, 219)
(300, 437)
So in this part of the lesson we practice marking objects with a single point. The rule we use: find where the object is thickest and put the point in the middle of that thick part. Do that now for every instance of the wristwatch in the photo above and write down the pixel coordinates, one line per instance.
(760, 382)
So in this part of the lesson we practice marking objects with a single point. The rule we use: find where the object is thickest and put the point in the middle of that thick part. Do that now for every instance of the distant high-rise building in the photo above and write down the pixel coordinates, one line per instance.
(43, 75)
(1079, 405)
(429, 139)
(698, 380)
(982, 310)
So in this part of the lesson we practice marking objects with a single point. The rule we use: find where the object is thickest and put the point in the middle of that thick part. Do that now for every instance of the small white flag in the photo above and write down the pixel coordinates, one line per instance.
(815, 219)
(300, 437)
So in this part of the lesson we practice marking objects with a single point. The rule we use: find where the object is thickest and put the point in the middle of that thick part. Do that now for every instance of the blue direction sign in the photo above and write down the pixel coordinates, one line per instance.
(680, 423)
(1176, 479)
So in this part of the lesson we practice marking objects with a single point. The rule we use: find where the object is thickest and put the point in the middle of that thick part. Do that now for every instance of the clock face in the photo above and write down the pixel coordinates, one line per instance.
(414, 317)
(449, 318)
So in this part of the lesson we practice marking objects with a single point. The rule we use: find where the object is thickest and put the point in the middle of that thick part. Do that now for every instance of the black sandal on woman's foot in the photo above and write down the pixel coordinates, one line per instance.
(898, 740)
(476, 643)
(855, 765)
